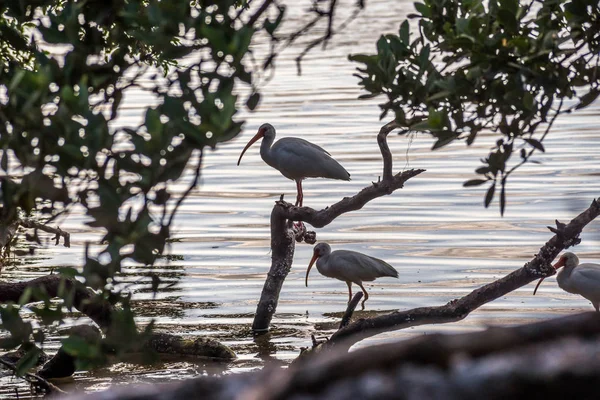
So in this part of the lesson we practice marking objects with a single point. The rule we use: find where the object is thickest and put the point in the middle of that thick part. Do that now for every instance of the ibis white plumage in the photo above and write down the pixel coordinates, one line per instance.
(581, 279)
(296, 158)
(349, 266)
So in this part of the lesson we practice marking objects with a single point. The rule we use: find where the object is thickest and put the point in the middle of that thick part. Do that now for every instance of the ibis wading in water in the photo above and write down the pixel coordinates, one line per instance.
(350, 267)
(296, 158)
(581, 279)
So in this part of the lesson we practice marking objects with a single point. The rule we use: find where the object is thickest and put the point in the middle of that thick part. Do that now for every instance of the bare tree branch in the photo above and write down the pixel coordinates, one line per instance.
(557, 358)
(283, 236)
(324, 217)
(350, 310)
(258, 13)
(36, 380)
(566, 236)
(437, 350)
(26, 223)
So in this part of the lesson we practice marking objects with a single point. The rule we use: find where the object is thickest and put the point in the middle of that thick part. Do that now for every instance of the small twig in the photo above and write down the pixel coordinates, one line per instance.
(34, 379)
(29, 224)
(350, 310)
(261, 10)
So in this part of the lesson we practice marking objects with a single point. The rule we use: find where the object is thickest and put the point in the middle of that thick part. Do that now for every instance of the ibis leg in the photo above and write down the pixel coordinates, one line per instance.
(349, 291)
(365, 293)
(299, 196)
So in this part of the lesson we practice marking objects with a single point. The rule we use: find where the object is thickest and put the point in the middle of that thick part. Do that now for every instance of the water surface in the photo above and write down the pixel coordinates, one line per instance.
(434, 231)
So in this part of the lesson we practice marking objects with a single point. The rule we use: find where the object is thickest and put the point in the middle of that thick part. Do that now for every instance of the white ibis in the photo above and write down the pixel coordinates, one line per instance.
(581, 279)
(296, 158)
(349, 266)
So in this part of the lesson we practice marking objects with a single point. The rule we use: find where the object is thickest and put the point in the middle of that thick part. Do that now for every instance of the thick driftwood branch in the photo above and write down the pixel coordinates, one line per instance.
(63, 364)
(437, 350)
(566, 236)
(83, 300)
(282, 234)
(282, 246)
(547, 359)
(282, 237)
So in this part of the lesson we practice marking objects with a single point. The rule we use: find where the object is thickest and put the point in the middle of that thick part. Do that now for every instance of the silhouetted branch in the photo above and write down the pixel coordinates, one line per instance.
(283, 236)
(565, 237)
(442, 351)
(557, 358)
(258, 13)
(25, 223)
(37, 381)
(350, 310)
(324, 217)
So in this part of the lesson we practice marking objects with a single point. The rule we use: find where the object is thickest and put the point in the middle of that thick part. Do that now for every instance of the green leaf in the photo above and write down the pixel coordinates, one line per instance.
(153, 124)
(439, 95)
(528, 100)
(489, 195)
(68, 272)
(536, 143)
(588, 98)
(253, 101)
(423, 9)
(508, 20)
(28, 361)
(474, 182)
(4, 160)
(404, 33)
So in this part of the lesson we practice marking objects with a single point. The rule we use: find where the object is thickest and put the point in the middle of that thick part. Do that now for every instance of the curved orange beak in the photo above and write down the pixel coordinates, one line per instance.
(258, 135)
(312, 261)
(559, 264)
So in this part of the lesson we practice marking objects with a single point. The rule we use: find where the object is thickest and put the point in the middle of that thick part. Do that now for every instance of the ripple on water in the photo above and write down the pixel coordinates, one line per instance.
(436, 233)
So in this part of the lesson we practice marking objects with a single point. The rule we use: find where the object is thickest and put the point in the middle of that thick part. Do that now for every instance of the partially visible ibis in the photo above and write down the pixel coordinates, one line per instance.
(296, 158)
(350, 267)
(581, 279)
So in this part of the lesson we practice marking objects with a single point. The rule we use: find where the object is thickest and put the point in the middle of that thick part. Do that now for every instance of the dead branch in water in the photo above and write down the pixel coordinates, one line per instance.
(29, 224)
(283, 235)
(558, 358)
(100, 311)
(565, 237)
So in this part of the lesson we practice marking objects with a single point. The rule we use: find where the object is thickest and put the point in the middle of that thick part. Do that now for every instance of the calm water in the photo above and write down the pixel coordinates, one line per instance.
(434, 231)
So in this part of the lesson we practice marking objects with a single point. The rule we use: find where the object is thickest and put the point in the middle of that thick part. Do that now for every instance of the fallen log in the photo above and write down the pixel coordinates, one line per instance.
(551, 359)
(100, 311)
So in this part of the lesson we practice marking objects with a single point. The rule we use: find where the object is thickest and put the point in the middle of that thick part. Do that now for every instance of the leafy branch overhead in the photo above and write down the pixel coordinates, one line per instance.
(65, 67)
(505, 66)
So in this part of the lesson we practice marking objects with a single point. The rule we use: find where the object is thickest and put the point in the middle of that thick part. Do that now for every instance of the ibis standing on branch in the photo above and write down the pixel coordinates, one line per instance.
(581, 279)
(296, 158)
(350, 267)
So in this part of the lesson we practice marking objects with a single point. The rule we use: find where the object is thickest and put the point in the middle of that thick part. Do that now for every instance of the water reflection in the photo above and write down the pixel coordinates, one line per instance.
(436, 233)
